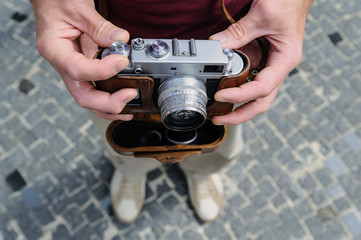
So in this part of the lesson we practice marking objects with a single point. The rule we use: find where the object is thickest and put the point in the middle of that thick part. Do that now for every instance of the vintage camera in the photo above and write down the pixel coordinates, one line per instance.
(176, 79)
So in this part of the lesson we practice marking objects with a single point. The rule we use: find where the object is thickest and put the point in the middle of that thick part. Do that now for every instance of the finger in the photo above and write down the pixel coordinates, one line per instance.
(240, 33)
(88, 97)
(80, 68)
(247, 111)
(277, 69)
(100, 30)
(114, 117)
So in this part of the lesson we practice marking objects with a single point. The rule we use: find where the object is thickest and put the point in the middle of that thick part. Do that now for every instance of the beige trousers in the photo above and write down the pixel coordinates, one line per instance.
(134, 168)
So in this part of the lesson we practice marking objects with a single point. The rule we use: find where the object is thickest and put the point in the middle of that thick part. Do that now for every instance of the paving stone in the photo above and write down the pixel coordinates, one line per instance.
(319, 196)
(157, 212)
(327, 132)
(258, 172)
(327, 213)
(28, 137)
(43, 214)
(61, 232)
(15, 180)
(178, 179)
(73, 216)
(303, 208)
(295, 140)
(323, 175)
(267, 188)
(294, 192)
(162, 188)
(278, 200)
(281, 233)
(335, 230)
(31, 197)
(351, 159)
(238, 228)
(341, 204)
(284, 182)
(353, 141)
(26, 86)
(132, 235)
(29, 228)
(246, 186)
(334, 191)
(315, 225)
(340, 146)
(154, 174)
(291, 222)
(258, 200)
(93, 213)
(70, 182)
(106, 205)
(28, 31)
(42, 151)
(192, 234)
(335, 165)
(15, 124)
(335, 38)
(270, 218)
(87, 233)
(170, 202)
(255, 225)
(353, 223)
(106, 171)
(269, 136)
(248, 212)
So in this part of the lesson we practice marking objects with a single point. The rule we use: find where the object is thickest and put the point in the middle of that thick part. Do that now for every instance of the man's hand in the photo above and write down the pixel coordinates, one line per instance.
(68, 33)
(282, 23)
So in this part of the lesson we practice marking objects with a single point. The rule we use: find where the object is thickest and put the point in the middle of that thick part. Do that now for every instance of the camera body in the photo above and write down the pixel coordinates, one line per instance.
(176, 79)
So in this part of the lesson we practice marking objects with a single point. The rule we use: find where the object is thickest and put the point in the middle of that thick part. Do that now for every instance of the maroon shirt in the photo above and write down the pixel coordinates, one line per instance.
(169, 19)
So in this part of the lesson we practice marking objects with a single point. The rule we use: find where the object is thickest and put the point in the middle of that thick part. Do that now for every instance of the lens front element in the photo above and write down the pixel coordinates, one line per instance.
(182, 101)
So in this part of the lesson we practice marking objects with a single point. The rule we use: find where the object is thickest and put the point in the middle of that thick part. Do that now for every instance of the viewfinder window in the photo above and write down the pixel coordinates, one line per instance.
(213, 69)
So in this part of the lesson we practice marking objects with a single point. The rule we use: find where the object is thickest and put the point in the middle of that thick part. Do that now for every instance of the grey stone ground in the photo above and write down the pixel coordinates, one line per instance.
(299, 177)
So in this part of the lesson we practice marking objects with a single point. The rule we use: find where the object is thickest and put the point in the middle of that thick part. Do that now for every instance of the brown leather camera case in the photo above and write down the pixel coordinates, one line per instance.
(120, 134)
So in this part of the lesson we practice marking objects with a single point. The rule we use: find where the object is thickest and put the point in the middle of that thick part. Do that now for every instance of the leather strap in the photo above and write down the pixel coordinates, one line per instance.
(262, 63)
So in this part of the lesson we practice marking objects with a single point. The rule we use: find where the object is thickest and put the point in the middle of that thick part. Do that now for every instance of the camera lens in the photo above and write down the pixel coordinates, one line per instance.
(182, 101)
(186, 137)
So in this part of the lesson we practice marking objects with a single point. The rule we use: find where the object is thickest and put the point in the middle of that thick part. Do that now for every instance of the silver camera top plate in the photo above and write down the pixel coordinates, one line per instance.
(163, 58)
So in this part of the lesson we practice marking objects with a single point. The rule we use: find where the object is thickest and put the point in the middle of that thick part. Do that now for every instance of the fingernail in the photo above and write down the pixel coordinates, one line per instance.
(118, 35)
(220, 36)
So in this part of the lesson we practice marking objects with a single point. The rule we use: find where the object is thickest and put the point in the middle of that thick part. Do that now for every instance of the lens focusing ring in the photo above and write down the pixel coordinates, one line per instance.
(182, 101)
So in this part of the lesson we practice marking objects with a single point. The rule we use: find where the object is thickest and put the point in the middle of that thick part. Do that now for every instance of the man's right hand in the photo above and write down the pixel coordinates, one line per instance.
(68, 33)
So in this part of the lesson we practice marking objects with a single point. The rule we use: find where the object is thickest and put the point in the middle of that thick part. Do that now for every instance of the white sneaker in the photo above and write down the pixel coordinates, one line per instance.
(127, 197)
(206, 194)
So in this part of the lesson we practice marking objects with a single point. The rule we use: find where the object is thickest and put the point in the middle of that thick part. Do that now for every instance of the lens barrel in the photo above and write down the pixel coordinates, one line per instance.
(182, 101)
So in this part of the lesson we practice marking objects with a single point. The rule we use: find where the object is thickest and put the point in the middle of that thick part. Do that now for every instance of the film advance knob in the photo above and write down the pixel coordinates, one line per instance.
(119, 48)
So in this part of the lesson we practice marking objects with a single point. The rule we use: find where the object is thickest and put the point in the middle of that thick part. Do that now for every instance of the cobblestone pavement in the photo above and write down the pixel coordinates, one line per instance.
(298, 178)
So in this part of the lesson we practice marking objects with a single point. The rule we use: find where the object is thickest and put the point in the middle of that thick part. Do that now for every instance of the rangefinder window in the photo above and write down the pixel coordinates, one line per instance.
(213, 69)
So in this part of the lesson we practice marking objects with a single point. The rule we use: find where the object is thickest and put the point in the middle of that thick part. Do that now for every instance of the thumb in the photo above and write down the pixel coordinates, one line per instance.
(238, 34)
(101, 31)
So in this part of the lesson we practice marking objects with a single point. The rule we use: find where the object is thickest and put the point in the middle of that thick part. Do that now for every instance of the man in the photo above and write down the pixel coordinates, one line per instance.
(68, 33)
